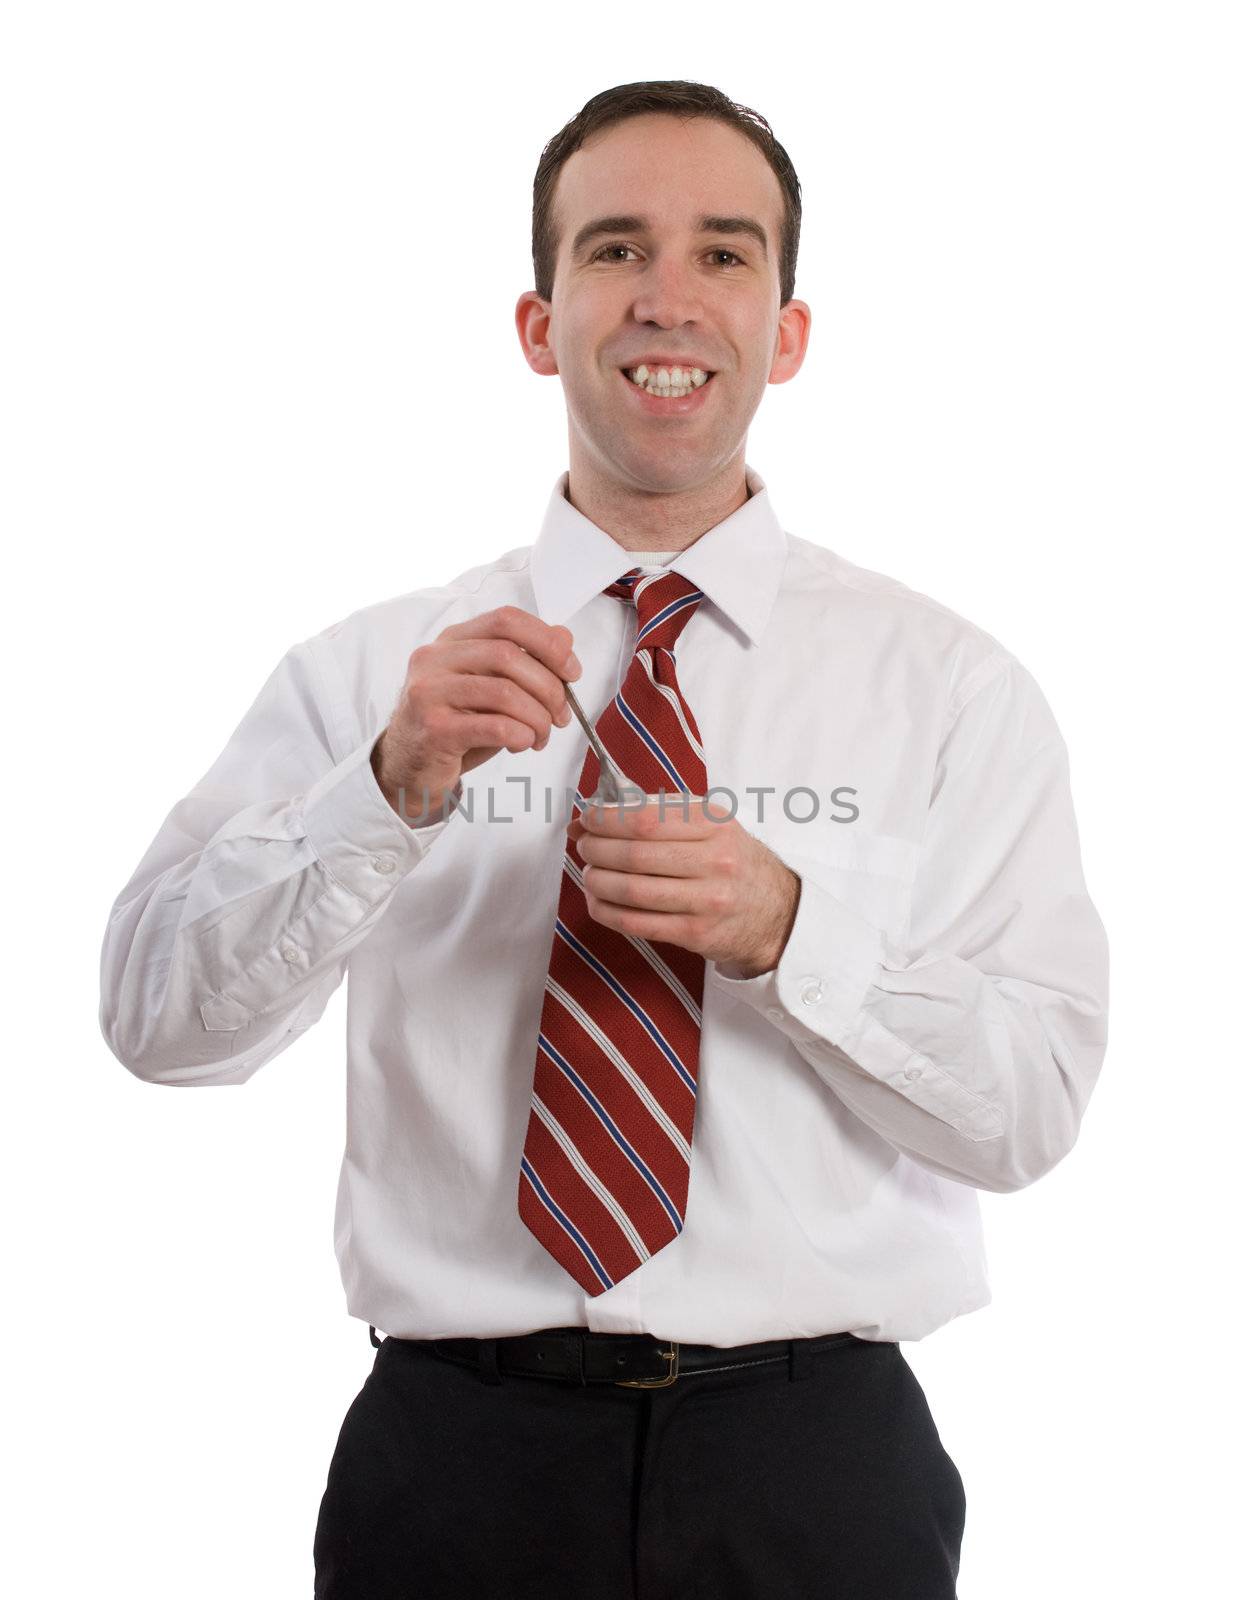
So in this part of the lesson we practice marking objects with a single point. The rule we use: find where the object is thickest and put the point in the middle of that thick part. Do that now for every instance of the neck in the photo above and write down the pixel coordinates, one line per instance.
(648, 519)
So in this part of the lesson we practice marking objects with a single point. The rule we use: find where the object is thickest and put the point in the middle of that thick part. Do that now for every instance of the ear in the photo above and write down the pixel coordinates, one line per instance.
(793, 327)
(533, 326)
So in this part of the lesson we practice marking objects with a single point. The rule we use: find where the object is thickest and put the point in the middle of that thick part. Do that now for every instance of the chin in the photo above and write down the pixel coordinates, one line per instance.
(670, 476)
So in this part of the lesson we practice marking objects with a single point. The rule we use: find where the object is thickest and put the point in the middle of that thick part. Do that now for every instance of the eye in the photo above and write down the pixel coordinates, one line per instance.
(719, 250)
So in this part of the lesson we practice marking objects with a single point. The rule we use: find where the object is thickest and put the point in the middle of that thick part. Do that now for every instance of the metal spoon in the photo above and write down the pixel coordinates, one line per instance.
(609, 787)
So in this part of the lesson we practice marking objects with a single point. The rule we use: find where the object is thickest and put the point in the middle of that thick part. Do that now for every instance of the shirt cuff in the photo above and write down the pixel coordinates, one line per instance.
(818, 987)
(363, 842)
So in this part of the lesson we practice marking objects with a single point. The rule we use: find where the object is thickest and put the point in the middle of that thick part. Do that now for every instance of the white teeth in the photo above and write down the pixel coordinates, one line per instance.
(670, 381)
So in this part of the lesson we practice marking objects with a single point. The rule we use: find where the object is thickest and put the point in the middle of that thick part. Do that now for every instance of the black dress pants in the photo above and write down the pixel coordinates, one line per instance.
(780, 1480)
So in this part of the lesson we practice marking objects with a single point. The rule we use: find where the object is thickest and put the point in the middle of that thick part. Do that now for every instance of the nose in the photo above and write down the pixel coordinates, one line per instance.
(668, 294)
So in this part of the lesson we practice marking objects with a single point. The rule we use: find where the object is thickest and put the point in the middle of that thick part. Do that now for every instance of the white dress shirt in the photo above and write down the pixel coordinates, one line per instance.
(935, 1024)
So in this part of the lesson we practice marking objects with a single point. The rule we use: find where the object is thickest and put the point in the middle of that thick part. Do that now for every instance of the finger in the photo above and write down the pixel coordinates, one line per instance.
(469, 730)
(657, 927)
(465, 691)
(507, 661)
(643, 893)
(680, 818)
(551, 646)
(656, 857)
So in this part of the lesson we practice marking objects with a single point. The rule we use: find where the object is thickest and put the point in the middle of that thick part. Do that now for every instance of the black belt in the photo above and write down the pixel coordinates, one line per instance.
(631, 1360)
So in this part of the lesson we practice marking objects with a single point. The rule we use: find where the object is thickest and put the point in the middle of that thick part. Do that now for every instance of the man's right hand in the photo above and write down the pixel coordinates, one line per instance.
(493, 683)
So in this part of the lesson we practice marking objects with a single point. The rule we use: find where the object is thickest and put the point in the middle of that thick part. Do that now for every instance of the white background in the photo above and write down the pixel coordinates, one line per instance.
(259, 369)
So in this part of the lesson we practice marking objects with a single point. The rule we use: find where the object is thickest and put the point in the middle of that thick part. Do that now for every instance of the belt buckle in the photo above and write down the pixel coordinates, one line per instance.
(654, 1383)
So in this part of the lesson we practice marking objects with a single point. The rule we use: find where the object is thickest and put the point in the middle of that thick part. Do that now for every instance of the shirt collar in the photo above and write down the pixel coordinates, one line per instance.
(737, 564)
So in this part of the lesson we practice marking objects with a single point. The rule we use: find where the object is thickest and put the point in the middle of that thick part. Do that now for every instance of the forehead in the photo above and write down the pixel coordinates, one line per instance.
(668, 169)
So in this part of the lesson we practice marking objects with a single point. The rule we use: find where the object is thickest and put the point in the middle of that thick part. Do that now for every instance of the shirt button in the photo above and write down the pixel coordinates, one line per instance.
(912, 1074)
(813, 994)
(776, 1013)
(384, 863)
(290, 953)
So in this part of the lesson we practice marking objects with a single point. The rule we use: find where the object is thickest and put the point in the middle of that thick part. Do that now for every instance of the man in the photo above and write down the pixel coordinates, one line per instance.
(666, 1120)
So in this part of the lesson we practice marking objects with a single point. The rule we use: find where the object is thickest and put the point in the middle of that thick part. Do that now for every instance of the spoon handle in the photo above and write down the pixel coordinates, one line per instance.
(608, 786)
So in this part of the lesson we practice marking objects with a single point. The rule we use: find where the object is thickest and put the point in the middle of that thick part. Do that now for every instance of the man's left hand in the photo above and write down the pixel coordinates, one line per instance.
(674, 875)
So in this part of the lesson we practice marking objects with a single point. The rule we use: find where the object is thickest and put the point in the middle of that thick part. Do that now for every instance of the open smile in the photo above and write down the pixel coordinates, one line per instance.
(658, 405)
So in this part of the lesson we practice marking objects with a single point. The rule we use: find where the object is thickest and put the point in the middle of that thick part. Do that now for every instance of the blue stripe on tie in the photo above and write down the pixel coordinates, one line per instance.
(669, 610)
(618, 1138)
(661, 1043)
(649, 954)
(651, 743)
(592, 1259)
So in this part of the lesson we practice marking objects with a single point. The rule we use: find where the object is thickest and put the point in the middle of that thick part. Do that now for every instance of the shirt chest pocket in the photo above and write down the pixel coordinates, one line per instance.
(871, 873)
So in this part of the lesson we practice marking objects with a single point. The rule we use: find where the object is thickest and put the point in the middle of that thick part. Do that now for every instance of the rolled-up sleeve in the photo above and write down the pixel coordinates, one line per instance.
(974, 1045)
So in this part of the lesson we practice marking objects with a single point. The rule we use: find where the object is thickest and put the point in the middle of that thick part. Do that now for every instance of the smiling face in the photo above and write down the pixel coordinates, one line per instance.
(678, 275)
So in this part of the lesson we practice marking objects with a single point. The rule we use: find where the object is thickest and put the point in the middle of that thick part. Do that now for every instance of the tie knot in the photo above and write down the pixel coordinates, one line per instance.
(665, 600)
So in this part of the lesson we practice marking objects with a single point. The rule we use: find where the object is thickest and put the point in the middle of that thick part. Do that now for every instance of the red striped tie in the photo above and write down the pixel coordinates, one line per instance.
(606, 1164)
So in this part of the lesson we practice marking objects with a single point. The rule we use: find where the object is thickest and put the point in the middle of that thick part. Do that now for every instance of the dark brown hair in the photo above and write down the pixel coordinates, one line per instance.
(680, 99)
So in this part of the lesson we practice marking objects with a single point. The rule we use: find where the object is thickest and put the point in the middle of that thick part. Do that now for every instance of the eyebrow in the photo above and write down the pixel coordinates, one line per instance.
(722, 225)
